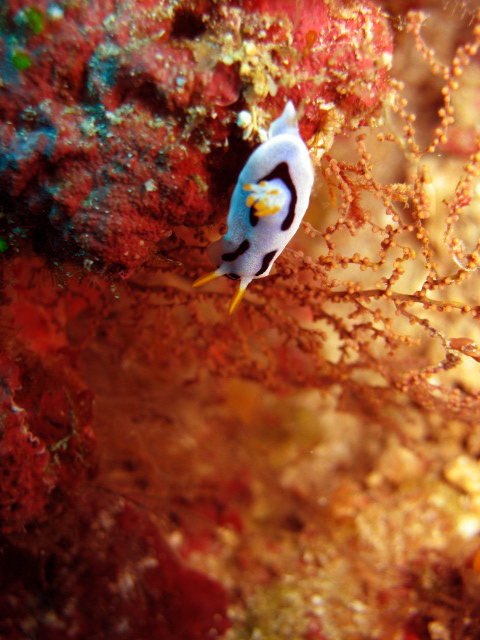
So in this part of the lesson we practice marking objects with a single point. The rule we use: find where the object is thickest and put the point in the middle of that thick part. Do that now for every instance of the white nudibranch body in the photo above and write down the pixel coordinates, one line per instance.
(267, 206)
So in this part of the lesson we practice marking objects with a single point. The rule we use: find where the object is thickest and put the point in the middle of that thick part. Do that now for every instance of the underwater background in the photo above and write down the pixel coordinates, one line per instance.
(308, 467)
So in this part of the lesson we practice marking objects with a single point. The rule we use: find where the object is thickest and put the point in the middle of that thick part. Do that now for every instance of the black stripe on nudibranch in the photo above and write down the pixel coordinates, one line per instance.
(267, 259)
(253, 218)
(281, 171)
(233, 255)
(232, 276)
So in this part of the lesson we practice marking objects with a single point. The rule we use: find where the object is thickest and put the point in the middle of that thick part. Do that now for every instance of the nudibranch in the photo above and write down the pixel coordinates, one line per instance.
(267, 206)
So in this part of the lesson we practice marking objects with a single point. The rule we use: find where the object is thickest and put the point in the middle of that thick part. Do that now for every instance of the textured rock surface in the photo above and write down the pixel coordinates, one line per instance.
(118, 120)
(103, 571)
(46, 442)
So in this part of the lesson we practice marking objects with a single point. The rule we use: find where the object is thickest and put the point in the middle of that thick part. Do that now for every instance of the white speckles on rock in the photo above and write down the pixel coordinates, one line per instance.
(150, 185)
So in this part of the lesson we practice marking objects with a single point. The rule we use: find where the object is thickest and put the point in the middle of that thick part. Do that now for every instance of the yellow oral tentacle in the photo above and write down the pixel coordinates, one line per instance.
(237, 298)
(208, 277)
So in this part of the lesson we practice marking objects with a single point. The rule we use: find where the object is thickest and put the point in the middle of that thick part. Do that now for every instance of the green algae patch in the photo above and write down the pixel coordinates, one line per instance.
(35, 20)
(21, 60)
